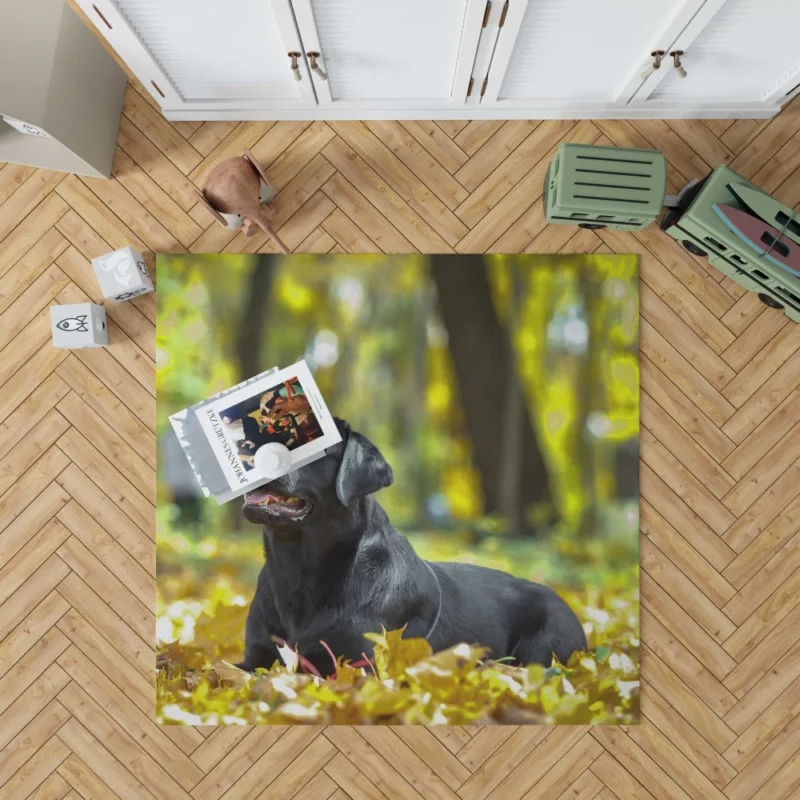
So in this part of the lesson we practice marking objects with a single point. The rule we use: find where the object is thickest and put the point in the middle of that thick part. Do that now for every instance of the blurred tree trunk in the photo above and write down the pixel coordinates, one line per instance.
(252, 333)
(487, 380)
(589, 401)
(253, 319)
(509, 477)
(414, 405)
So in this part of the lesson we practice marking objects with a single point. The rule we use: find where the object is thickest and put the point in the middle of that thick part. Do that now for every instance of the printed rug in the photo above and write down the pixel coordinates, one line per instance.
(452, 535)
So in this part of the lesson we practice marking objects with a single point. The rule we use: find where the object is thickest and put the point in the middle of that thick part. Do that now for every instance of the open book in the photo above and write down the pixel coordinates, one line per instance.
(220, 435)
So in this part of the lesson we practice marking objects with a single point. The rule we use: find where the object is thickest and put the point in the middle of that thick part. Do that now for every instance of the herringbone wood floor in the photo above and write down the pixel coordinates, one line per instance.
(720, 471)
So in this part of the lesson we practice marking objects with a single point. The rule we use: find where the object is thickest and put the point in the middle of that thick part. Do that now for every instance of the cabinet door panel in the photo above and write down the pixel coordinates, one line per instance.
(567, 52)
(207, 53)
(749, 51)
(578, 50)
(391, 53)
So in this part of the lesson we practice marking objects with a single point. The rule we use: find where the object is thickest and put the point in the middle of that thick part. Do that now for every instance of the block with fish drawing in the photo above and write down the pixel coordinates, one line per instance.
(122, 275)
(78, 325)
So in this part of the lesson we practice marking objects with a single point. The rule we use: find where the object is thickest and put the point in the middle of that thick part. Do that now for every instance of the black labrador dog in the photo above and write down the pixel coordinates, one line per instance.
(336, 568)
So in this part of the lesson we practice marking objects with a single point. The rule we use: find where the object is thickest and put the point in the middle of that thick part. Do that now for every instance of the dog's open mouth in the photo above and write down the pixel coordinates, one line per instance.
(277, 505)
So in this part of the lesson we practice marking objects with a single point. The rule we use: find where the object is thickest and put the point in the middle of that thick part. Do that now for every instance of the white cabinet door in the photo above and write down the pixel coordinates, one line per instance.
(390, 54)
(569, 54)
(208, 54)
(734, 51)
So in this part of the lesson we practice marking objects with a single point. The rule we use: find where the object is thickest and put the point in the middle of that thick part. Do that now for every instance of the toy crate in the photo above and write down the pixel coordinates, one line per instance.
(598, 187)
(695, 224)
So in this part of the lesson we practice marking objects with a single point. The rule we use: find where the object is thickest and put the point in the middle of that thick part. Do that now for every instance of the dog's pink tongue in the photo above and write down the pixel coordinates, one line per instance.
(259, 496)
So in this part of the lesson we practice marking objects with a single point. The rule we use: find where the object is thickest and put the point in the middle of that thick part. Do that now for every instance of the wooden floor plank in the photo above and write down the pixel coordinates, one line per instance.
(37, 697)
(681, 553)
(125, 501)
(351, 782)
(494, 187)
(120, 744)
(33, 664)
(108, 623)
(155, 199)
(352, 203)
(12, 176)
(134, 609)
(132, 466)
(40, 511)
(686, 703)
(403, 181)
(31, 266)
(671, 734)
(157, 165)
(419, 161)
(768, 434)
(720, 471)
(693, 635)
(687, 669)
(385, 199)
(37, 769)
(641, 766)
(91, 660)
(493, 153)
(87, 785)
(475, 134)
(31, 230)
(31, 629)
(244, 135)
(43, 580)
(90, 750)
(684, 412)
(125, 349)
(502, 762)
(437, 143)
(761, 696)
(774, 583)
(226, 773)
(124, 693)
(152, 125)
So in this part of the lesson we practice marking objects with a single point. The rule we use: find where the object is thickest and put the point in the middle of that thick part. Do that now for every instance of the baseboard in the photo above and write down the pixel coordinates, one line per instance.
(756, 111)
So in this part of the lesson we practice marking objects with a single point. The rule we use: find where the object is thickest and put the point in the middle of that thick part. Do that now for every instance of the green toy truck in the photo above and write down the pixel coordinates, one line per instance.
(696, 225)
(746, 234)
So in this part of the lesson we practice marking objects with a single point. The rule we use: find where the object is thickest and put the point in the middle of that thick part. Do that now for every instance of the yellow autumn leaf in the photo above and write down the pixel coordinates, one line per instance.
(393, 654)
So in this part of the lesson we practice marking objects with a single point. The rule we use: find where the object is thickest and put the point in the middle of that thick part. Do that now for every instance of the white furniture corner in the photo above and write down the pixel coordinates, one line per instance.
(57, 77)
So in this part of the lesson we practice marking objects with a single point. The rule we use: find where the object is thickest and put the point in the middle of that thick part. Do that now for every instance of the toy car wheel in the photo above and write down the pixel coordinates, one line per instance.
(769, 301)
(693, 248)
(592, 226)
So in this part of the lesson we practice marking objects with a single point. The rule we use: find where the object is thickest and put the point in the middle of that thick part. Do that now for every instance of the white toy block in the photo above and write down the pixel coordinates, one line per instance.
(122, 274)
(79, 325)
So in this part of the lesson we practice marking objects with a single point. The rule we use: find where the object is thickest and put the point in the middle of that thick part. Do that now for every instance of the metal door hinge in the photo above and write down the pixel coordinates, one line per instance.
(486, 13)
(503, 15)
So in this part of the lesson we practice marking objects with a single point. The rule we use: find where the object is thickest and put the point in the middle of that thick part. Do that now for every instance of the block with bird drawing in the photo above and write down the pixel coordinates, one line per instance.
(122, 274)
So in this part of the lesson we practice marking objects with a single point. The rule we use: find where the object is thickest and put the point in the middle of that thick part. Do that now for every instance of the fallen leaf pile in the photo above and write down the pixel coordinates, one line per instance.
(406, 683)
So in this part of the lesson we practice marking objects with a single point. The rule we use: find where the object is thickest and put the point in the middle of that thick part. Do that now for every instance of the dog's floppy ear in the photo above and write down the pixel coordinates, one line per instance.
(363, 470)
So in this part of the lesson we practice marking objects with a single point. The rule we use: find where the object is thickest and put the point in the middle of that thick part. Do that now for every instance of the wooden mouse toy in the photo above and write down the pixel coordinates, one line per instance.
(237, 193)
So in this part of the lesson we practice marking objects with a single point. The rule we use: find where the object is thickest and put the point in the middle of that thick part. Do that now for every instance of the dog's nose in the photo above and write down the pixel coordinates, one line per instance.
(285, 484)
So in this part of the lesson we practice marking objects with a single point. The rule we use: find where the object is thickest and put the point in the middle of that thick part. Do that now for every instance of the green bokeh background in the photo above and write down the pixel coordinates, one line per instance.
(375, 335)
